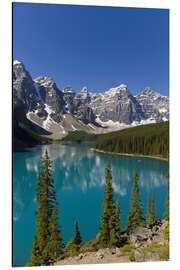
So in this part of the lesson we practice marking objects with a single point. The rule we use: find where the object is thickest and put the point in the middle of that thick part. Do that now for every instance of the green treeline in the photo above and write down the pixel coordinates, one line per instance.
(152, 139)
(80, 136)
(48, 246)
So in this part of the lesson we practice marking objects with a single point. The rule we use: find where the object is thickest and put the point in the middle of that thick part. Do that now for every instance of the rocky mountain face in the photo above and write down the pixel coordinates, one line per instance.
(23, 87)
(154, 105)
(51, 101)
(116, 104)
(78, 104)
(60, 111)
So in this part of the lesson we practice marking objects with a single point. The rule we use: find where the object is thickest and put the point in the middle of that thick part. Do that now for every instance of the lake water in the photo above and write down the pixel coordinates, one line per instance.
(79, 180)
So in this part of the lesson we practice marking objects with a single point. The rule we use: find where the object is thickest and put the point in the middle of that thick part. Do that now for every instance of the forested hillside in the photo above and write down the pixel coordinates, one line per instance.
(152, 139)
(25, 133)
(80, 136)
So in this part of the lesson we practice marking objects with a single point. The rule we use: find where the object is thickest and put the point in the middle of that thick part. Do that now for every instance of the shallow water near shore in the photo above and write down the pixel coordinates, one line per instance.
(79, 180)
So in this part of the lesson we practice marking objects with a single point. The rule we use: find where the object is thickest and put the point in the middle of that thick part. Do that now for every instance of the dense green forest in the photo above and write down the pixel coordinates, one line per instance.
(80, 136)
(151, 139)
(23, 132)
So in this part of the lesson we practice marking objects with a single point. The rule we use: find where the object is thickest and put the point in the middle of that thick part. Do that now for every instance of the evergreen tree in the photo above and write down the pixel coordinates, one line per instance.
(54, 247)
(36, 257)
(71, 248)
(148, 218)
(47, 241)
(118, 214)
(109, 229)
(151, 210)
(73, 245)
(136, 217)
(115, 228)
(77, 236)
(166, 214)
(108, 209)
(153, 216)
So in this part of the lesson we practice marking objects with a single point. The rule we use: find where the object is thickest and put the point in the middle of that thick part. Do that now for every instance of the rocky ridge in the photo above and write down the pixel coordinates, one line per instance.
(146, 244)
(60, 111)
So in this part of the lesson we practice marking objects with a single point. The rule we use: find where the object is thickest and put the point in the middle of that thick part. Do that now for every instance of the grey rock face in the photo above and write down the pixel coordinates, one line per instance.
(140, 235)
(116, 104)
(83, 96)
(49, 92)
(100, 254)
(23, 86)
(154, 105)
(151, 256)
(149, 233)
(68, 96)
(41, 97)
(52, 97)
(78, 104)
(85, 114)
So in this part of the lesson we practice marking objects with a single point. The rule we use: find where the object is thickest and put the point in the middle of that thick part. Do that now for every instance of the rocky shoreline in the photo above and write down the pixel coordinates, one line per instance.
(128, 155)
(145, 244)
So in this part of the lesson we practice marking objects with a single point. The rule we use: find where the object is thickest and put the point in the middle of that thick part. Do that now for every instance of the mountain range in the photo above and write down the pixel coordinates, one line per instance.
(54, 112)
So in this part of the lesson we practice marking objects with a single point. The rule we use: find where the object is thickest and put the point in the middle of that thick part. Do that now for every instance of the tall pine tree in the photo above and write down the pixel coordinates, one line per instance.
(136, 217)
(109, 229)
(77, 236)
(115, 228)
(166, 214)
(148, 218)
(118, 214)
(47, 244)
(151, 210)
(74, 244)
(54, 247)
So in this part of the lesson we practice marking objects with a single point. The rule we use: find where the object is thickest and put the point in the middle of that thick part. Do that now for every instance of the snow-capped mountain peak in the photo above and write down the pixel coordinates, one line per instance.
(45, 81)
(68, 89)
(148, 92)
(154, 104)
(84, 90)
(16, 62)
(123, 87)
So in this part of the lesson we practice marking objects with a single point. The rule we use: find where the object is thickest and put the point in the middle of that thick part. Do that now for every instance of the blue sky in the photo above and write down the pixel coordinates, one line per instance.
(97, 47)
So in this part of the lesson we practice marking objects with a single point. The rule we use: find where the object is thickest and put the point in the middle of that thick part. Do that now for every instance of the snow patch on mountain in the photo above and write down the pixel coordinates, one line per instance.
(45, 81)
(29, 118)
(47, 123)
(162, 110)
(91, 126)
(73, 127)
(110, 123)
(48, 109)
(16, 62)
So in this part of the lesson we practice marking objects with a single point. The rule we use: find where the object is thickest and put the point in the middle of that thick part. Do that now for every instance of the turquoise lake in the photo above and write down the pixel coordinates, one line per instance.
(79, 180)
